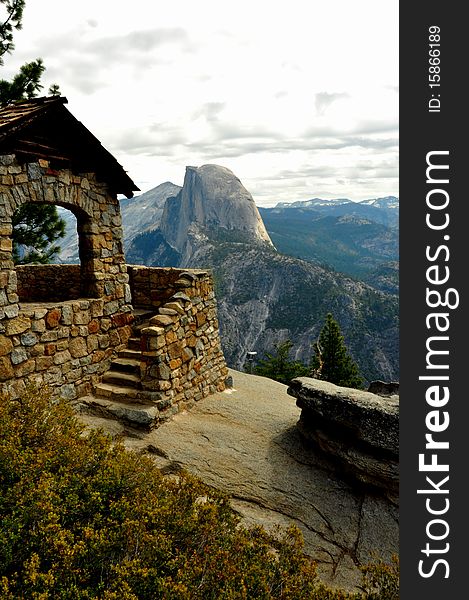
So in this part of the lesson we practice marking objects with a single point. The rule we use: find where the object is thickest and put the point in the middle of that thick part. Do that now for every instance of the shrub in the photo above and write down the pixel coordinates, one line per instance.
(83, 518)
(381, 580)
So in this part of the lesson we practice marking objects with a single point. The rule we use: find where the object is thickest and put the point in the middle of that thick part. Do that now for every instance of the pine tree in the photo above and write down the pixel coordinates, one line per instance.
(35, 227)
(25, 85)
(331, 360)
(54, 90)
(10, 21)
(279, 366)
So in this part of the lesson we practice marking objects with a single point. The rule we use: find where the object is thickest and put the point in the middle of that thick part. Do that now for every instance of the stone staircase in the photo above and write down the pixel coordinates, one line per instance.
(120, 394)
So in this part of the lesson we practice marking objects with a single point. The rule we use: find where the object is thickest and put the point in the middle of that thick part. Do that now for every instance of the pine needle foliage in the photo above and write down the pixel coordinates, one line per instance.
(279, 366)
(331, 361)
(35, 229)
(11, 15)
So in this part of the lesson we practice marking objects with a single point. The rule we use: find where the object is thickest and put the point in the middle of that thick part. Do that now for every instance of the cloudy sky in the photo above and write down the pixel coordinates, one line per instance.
(298, 98)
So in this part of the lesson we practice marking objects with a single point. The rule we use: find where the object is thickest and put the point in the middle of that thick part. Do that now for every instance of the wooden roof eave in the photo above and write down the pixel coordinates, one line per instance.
(22, 122)
(107, 167)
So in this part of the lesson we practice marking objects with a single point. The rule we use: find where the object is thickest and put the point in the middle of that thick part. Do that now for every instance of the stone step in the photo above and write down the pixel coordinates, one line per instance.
(128, 380)
(142, 314)
(142, 325)
(137, 416)
(126, 365)
(112, 391)
(116, 392)
(130, 353)
(133, 343)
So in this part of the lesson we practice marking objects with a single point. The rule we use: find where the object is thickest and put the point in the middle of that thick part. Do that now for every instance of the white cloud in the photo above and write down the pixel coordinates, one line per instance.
(263, 88)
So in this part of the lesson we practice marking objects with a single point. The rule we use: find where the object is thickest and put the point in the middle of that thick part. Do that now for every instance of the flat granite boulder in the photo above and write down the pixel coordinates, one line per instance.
(357, 430)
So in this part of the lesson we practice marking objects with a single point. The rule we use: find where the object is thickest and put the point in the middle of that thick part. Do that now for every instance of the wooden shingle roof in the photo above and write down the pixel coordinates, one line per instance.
(45, 128)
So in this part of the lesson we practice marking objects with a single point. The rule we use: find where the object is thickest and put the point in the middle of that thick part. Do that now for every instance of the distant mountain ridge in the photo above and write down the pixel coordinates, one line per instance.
(357, 238)
(379, 210)
(389, 202)
(384, 202)
(263, 296)
(312, 203)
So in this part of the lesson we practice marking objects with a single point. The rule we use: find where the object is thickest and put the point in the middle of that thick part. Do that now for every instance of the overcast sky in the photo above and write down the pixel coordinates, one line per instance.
(298, 98)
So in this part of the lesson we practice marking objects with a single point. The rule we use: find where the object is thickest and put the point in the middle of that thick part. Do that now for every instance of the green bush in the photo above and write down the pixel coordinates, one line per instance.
(84, 518)
(381, 580)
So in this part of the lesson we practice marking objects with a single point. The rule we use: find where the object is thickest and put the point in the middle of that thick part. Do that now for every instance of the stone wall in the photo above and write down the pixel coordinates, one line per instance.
(42, 283)
(183, 359)
(151, 287)
(357, 430)
(66, 344)
(69, 345)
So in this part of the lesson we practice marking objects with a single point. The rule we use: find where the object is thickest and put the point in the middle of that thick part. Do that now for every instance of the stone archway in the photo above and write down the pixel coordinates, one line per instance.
(103, 273)
(41, 281)
(54, 337)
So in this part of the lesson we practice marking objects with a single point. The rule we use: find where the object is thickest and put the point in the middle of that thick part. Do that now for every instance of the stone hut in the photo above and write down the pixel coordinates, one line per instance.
(129, 342)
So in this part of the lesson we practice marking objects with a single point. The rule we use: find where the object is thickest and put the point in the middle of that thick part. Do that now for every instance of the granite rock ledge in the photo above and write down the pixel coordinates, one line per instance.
(357, 430)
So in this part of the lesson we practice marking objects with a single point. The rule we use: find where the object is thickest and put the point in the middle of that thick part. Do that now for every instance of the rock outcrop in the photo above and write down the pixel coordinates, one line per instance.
(212, 200)
(384, 388)
(358, 430)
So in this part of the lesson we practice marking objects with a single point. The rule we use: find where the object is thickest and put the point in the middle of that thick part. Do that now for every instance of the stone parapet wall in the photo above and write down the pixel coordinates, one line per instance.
(42, 283)
(69, 345)
(66, 346)
(152, 286)
(183, 359)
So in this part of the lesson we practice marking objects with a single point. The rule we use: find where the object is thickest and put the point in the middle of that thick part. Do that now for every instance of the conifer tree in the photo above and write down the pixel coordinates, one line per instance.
(35, 227)
(25, 85)
(331, 360)
(279, 366)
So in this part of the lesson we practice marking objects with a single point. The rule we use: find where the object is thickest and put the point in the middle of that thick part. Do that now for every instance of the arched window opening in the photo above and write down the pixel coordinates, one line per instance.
(52, 259)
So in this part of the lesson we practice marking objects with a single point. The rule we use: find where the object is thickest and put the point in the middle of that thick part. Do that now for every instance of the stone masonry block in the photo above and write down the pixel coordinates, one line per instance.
(6, 369)
(18, 325)
(6, 345)
(78, 347)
